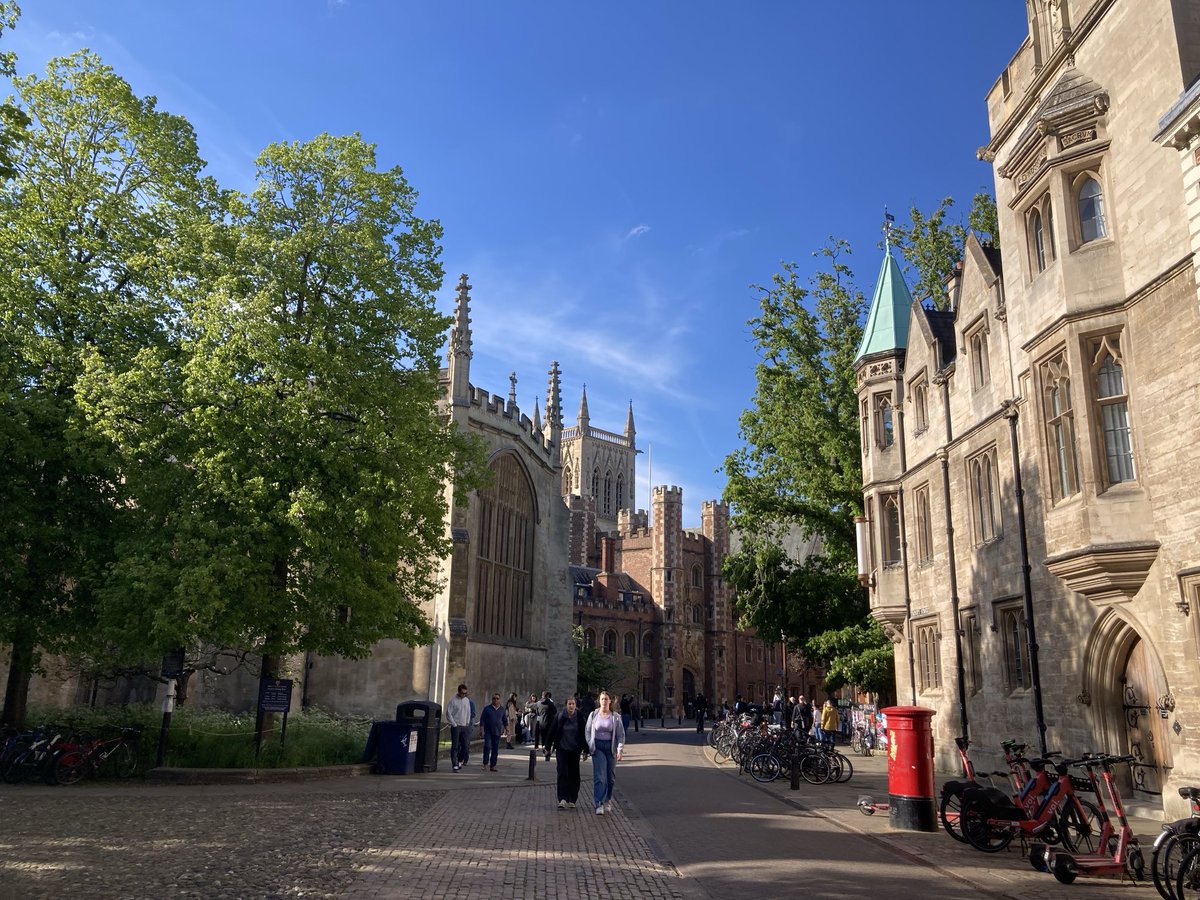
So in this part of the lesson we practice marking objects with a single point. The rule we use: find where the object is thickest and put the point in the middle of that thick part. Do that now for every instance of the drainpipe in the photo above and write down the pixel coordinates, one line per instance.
(912, 664)
(942, 379)
(1012, 413)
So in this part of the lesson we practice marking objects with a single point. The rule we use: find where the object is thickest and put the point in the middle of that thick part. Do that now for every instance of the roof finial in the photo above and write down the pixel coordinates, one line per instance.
(629, 431)
(537, 417)
(512, 388)
(584, 418)
(554, 398)
(460, 334)
(889, 222)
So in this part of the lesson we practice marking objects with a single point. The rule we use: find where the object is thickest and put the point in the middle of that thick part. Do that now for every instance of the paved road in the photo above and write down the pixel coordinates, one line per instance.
(683, 828)
(738, 841)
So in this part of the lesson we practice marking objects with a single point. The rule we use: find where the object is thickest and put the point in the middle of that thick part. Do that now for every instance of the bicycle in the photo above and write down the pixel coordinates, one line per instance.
(1176, 840)
(99, 757)
(1026, 792)
(990, 819)
(31, 753)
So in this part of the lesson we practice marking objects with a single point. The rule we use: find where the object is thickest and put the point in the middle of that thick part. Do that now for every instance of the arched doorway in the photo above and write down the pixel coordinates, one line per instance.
(689, 688)
(1125, 684)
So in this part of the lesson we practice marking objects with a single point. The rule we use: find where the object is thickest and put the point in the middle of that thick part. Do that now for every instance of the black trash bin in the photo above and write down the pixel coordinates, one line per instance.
(425, 719)
(393, 746)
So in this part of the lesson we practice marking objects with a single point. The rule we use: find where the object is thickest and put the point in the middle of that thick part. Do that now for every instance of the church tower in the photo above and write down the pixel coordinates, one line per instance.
(599, 466)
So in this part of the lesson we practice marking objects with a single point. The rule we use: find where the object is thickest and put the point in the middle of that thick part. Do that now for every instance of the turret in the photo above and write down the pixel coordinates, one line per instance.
(630, 433)
(584, 418)
(459, 353)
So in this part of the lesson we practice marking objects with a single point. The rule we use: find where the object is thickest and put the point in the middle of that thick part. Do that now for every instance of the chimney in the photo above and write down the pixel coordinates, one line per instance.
(608, 546)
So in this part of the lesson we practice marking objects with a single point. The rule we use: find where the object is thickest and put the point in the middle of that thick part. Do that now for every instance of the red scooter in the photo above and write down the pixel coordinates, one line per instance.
(1118, 850)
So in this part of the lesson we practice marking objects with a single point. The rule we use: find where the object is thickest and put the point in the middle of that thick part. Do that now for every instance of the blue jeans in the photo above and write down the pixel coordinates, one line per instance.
(460, 744)
(491, 748)
(604, 771)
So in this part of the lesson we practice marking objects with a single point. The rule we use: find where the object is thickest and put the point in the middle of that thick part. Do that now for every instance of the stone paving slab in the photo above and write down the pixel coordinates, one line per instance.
(482, 842)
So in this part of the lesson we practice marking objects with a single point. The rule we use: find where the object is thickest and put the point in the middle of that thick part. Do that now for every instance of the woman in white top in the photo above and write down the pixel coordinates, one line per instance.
(606, 743)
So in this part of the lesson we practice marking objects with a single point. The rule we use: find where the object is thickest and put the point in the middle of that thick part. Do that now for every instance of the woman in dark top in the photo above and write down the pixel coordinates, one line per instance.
(566, 738)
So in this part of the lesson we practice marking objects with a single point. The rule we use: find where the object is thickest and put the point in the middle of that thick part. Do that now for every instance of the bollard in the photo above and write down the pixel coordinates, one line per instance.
(532, 764)
(795, 769)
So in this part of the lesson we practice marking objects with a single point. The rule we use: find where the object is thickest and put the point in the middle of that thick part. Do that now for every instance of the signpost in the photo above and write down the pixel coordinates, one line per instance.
(274, 696)
(172, 668)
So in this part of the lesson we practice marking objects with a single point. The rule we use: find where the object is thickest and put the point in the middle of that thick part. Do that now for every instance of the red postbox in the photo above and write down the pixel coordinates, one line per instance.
(910, 768)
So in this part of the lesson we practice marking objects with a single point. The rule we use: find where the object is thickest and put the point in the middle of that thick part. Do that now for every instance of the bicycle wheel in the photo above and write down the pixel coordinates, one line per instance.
(980, 834)
(764, 767)
(950, 813)
(846, 768)
(1080, 835)
(815, 768)
(1167, 859)
(69, 766)
(1187, 881)
(121, 762)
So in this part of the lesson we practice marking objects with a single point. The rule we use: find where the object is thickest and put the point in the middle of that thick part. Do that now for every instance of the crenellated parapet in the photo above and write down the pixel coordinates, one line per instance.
(505, 415)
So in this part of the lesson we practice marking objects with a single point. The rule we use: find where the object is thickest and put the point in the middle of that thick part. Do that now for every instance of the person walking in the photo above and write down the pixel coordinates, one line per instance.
(459, 712)
(545, 712)
(829, 722)
(492, 722)
(700, 705)
(605, 737)
(626, 711)
(512, 709)
(530, 717)
(565, 738)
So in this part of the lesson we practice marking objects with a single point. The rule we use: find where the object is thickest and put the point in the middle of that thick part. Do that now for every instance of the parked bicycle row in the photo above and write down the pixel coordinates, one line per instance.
(1067, 834)
(60, 754)
(768, 751)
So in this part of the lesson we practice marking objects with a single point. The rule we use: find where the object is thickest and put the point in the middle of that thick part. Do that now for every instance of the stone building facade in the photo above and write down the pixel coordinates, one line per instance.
(503, 618)
(1044, 424)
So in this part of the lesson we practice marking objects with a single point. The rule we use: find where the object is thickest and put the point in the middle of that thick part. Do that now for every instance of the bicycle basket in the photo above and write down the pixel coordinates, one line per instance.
(1081, 784)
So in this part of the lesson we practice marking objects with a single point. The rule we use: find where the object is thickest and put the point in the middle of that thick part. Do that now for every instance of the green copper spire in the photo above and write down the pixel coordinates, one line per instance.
(887, 322)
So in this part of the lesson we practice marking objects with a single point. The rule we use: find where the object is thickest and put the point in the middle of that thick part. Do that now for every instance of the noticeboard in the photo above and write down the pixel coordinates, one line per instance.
(172, 664)
(275, 695)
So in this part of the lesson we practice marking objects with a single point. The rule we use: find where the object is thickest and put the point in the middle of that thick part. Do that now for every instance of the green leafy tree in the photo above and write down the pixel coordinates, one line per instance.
(102, 185)
(859, 654)
(13, 120)
(802, 463)
(933, 245)
(284, 460)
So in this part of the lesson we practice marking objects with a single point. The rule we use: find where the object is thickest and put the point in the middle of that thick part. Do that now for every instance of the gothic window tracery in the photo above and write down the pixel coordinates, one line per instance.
(608, 485)
(505, 553)
(1112, 402)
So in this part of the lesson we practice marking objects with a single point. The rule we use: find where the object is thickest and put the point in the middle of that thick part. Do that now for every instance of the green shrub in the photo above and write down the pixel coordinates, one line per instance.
(212, 739)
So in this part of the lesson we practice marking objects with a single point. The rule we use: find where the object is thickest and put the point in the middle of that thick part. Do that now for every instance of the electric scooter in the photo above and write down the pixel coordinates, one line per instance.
(1118, 850)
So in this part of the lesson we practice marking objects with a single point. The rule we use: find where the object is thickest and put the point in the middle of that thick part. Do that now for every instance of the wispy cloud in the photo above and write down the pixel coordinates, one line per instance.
(637, 231)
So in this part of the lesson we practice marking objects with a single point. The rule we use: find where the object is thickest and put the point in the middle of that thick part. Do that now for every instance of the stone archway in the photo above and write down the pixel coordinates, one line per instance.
(689, 687)
(1126, 687)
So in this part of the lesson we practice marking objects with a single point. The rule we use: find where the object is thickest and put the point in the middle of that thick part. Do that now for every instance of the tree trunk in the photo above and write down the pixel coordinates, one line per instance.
(20, 670)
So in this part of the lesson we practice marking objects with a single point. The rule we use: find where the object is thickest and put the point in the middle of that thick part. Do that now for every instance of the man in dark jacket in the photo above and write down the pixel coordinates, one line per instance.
(491, 726)
(546, 711)
(565, 737)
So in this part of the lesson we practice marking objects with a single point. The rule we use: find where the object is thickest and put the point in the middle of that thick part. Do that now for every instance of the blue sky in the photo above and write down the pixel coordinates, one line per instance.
(613, 177)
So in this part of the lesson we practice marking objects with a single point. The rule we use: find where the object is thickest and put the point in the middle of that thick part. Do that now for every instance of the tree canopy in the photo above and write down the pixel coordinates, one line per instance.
(102, 182)
(801, 466)
(220, 410)
(933, 246)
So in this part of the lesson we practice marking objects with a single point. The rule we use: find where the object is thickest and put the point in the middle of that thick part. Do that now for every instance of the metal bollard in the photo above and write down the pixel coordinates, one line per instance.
(532, 764)
(795, 769)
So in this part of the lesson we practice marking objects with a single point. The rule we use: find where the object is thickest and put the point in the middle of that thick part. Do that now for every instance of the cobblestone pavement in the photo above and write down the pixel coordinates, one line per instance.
(195, 842)
(483, 834)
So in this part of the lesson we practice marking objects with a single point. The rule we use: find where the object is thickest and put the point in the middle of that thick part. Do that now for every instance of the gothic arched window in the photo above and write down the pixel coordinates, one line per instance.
(596, 483)
(610, 642)
(630, 644)
(567, 483)
(504, 557)
(608, 483)
(620, 491)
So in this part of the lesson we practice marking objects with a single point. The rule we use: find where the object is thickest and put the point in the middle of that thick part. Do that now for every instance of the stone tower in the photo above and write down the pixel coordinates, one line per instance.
(599, 466)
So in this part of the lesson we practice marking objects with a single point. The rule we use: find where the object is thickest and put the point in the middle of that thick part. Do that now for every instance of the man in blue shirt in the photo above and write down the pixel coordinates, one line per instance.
(491, 723)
